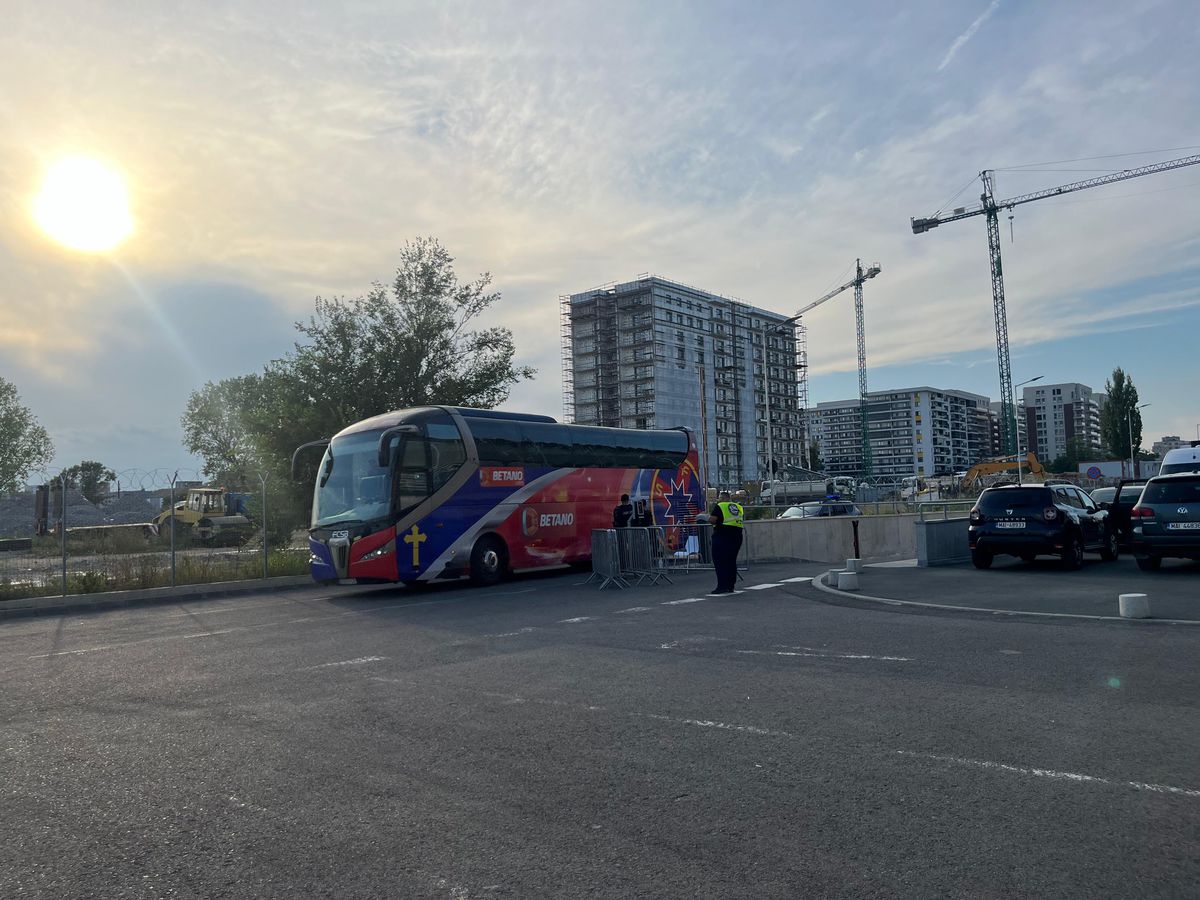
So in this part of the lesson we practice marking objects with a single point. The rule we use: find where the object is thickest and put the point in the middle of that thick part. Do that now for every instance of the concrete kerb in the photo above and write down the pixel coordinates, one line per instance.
(49, 606)
(820, 584)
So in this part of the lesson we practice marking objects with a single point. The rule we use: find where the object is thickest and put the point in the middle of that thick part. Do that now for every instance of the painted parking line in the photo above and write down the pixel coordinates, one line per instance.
(361, 661)
(1076, 777)
(685, 600)
(820, 655)
(576, 619)
(799, 580)
(763, 587)
(634, 609)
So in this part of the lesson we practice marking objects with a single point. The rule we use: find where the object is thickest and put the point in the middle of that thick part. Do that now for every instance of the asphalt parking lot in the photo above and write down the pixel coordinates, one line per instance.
(1043, 587)
(543, 739)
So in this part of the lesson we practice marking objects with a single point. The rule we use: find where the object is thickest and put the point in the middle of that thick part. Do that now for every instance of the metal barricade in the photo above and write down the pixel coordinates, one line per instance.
(688, 547)
(642, 554)
(606, 559)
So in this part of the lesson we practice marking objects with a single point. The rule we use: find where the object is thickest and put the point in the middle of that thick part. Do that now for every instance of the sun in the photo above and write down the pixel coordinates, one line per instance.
(84, 205)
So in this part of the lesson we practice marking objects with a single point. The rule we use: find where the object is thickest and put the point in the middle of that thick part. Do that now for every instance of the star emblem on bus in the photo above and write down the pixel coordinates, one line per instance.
(680, 503)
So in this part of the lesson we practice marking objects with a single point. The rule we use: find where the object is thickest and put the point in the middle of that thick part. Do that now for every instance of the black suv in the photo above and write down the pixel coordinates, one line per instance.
(1166, 520)
(1029, 520)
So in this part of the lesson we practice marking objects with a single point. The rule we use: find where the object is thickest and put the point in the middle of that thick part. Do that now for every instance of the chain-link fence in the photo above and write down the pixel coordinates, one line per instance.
(144, 529)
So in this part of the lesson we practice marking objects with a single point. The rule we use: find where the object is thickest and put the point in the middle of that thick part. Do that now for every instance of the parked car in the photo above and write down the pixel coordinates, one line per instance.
(1181, 459)
(1031, 520)
(1119, 501)
(1166, 520)
(821, 509)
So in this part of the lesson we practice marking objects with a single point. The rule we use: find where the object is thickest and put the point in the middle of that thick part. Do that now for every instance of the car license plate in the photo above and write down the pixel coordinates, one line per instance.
(1010, 524)
(1183, 526)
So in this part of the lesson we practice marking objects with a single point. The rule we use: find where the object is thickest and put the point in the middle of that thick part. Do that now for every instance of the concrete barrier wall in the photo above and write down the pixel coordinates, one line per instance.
(941, 542)
(830, 540)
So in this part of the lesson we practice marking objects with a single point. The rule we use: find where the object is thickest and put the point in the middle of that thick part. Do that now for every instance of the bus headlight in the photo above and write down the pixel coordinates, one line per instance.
(389, 547)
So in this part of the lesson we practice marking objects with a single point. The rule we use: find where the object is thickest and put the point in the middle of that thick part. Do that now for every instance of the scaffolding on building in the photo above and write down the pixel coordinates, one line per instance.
(567, 358)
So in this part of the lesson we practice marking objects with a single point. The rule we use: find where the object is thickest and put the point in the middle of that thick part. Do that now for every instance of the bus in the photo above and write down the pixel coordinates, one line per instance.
(440, 492)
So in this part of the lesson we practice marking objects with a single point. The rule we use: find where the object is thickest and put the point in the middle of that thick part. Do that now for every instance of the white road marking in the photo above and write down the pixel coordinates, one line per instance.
(173, 637)
(709, 723)
(576, 619)
(1051, 773)
(362, 661)
(634, 609)
(678, 602)
(510, 633)
(762, 587)
(797, 580)
(820, 655)
(671, 645)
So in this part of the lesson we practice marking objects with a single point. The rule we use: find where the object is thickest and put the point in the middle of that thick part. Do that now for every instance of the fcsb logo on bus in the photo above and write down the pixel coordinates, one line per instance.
(499, 476)
(533, 521)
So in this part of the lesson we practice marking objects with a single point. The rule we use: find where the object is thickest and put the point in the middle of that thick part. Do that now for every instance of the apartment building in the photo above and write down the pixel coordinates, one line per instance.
(654, 353)
(1056, 414)
(913, 431)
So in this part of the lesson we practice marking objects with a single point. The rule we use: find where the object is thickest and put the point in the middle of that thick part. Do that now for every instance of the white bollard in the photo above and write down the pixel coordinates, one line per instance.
(847, 581)
(853, 565)
(1134, 606)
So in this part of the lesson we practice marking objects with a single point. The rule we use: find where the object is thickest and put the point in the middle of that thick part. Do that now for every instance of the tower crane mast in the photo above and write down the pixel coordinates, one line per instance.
(990, 208)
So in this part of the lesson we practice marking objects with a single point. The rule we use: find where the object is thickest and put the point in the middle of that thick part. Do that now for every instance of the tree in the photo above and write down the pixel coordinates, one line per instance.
(407, 344)
(1119, 415)
(216, 427)
(1074, 454)
(24, 444)
(92, 479)
(814, 455)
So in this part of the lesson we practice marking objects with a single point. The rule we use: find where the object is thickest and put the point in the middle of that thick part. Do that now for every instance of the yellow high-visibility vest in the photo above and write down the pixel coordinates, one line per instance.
(732, 514)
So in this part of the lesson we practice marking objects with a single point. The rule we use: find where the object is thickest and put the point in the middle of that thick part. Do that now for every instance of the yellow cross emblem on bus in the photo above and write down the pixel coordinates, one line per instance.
(415, 538)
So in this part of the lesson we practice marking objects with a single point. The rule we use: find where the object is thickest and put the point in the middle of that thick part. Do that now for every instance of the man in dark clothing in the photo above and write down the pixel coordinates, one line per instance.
(622, 513)
(728, 522)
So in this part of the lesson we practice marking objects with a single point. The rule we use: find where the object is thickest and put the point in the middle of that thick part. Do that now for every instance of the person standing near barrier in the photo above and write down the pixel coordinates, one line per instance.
(622, 513)
(728, 521)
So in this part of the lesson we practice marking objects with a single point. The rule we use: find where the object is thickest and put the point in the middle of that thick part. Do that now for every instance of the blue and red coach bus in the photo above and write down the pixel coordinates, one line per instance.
(439, 492)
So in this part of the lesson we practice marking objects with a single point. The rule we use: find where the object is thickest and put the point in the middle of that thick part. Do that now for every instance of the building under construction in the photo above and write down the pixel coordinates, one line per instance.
(653, 353)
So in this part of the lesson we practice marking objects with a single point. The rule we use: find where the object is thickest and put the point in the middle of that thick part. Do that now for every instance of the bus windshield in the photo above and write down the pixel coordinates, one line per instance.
(351, 485)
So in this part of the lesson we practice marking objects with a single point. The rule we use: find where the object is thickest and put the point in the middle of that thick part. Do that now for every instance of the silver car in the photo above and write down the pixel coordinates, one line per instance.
(1166, 520)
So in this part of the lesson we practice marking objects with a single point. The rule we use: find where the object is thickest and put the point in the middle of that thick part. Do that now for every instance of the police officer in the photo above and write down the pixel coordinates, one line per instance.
(728, 520)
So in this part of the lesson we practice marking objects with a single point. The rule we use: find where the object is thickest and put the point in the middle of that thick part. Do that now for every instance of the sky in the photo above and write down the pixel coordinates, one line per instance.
(275, 153)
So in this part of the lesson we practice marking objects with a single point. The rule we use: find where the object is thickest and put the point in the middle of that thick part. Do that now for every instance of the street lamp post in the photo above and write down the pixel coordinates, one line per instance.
(1018, 434)
(1129, 425)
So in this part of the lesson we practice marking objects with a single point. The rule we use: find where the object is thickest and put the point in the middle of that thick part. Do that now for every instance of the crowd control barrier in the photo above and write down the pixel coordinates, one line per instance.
(606, 559)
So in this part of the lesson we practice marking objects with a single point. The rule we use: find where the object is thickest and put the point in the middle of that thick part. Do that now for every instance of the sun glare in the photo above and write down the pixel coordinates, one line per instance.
(84, 205)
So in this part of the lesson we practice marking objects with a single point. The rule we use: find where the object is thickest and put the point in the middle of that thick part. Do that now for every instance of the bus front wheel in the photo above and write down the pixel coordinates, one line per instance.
(489, 560)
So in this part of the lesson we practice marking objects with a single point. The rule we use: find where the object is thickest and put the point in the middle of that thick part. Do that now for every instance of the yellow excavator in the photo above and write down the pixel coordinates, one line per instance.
(1004, 464)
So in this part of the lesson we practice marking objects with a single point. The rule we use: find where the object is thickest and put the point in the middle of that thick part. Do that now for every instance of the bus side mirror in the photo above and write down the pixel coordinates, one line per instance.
(385, 441)
(323, 442)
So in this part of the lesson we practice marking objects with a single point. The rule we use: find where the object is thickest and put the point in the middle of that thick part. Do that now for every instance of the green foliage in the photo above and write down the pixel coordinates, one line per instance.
(814, 455)
(1120, 413)
(403, 345)
(24, 444)
(92, 479)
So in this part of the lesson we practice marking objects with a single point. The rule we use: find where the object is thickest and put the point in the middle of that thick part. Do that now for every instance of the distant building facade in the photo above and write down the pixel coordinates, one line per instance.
(1056, 414)
(1167, 443)
(653, 353)
(913, 431)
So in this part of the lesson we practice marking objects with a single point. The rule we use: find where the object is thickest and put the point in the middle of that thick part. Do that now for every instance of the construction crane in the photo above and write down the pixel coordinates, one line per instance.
(990, 208)
(860, 275)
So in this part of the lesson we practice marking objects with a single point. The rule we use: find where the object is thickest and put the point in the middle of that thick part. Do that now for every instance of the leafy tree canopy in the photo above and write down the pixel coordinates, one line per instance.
(409, 343)
(24, 444)
(1120, 415)
(92, 479)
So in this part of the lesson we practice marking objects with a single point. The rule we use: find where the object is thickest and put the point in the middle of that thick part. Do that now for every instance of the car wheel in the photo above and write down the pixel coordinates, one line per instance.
(1149, 563)
(981, 559)
(489, 560)
(1072, 552)
(1112, 548)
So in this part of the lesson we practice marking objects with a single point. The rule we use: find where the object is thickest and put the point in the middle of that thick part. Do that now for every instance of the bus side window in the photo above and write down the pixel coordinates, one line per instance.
(412, 473)
(446, 453)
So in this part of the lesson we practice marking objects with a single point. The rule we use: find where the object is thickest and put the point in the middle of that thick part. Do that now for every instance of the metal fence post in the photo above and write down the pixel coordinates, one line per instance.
(62, 528)
(262, 477)
(171, 520)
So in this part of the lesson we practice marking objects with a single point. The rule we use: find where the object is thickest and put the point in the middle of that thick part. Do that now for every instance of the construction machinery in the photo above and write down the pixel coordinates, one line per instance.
(860, 275)
(1004, 464)
(215, 513)
(990, 207)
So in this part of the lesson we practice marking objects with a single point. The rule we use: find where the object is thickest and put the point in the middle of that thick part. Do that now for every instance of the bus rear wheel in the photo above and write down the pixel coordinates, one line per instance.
(489, 560)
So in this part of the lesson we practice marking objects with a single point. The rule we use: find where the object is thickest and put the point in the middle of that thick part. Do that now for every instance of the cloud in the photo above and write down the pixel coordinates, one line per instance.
(968, 34)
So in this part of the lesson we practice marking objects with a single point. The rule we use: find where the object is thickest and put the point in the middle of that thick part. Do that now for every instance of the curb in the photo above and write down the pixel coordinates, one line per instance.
(49, 606)
(820, 585)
